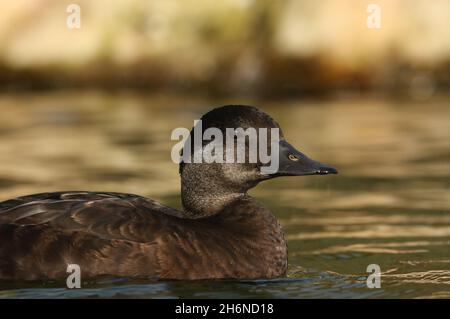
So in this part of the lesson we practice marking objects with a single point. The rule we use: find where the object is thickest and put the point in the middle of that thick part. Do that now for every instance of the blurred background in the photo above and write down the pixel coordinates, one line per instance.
(257, 48)
(93, 108)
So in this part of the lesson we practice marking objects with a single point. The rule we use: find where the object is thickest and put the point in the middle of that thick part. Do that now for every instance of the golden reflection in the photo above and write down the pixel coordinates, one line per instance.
(439, 276)
(375, 231)
(385, 248)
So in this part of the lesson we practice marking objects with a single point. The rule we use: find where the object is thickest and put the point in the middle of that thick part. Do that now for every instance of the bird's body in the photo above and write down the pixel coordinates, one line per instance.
(221, 232)
(129, 235)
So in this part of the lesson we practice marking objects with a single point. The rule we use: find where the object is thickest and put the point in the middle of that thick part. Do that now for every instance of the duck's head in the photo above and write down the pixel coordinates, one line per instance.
(230, 179)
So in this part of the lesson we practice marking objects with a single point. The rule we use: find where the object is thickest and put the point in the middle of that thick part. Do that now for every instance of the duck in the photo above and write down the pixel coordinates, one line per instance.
(221, 232)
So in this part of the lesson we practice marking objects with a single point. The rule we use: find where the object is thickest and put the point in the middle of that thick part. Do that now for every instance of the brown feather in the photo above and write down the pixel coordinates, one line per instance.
(129, 235)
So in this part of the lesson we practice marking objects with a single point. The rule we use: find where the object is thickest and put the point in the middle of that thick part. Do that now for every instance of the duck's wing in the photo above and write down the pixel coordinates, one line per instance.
(107, 215)
(98, 230)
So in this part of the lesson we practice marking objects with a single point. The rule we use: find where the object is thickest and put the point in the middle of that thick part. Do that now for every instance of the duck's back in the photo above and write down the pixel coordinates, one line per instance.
(102, 232)
(129, 235)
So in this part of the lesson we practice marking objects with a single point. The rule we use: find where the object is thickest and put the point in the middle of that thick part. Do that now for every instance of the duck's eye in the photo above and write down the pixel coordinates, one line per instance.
(293, 157)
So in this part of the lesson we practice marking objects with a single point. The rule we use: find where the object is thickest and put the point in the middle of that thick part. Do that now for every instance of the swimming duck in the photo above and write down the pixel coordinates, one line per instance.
(222, 232)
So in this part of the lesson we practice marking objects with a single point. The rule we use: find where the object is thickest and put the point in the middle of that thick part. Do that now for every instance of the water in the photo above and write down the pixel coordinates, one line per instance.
(389, 205)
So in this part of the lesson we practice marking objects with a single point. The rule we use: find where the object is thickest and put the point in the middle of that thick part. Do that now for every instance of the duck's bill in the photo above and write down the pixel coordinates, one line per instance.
(294, 163)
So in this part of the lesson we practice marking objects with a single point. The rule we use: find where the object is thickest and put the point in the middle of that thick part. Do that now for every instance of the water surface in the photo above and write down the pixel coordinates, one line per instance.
(389, 205)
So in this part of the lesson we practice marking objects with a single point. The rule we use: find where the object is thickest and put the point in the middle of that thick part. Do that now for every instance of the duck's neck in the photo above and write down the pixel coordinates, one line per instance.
(206, 194)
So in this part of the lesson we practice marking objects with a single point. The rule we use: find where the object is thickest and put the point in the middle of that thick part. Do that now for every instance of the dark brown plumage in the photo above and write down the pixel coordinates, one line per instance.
(128, 235)
(221, 233)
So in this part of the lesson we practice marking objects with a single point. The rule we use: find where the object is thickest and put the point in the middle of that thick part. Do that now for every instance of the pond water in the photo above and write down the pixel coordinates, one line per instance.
(389, 205)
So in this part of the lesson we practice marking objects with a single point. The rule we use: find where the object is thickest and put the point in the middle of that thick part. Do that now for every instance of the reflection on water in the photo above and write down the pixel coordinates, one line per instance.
(389, 205)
